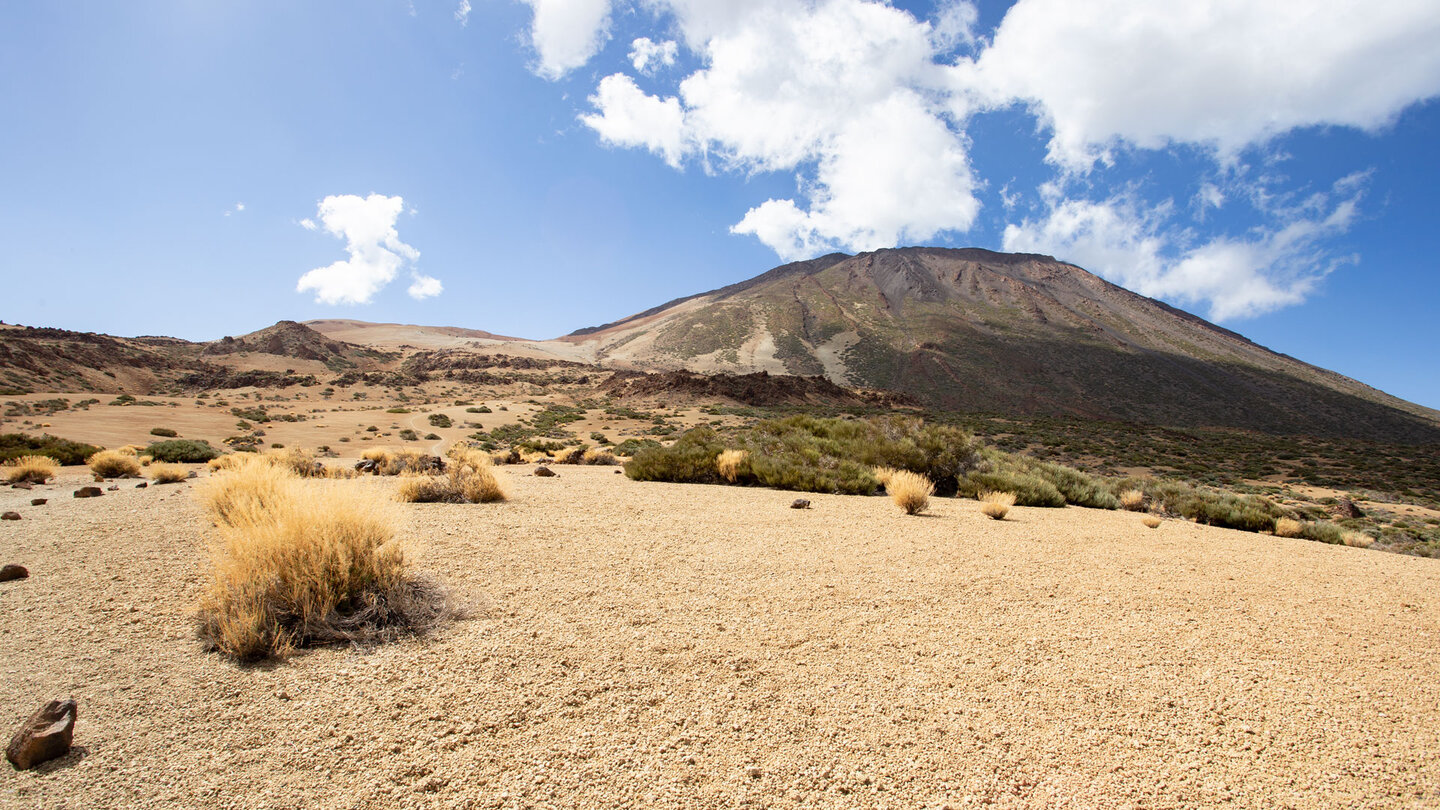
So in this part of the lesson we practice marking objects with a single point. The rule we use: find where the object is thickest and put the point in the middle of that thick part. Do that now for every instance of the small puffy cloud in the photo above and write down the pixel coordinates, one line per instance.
(566, 33)
(376, 254)
(648, 56)
(308, 224)
(462, 13)
(1131, 244)
(239, 206)
(1225, 74)
(629, 117)
(423, 286)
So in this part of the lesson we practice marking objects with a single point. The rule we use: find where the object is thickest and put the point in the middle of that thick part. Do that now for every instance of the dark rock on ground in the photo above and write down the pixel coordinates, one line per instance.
(1346, 508)
(142, 485)
(799, 503)
(113, 487)
(10, 516)
(544, 472)
(88, 492)
(38, 501)
(21, 485)
(45, 736)
(13, 571)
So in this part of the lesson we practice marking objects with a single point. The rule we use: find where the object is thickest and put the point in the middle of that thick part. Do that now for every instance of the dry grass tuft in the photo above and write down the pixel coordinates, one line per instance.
(730, 463)
(229, 461)
(399, 462)
(1151, 521)
(532, 456)
(1132, 500)
(910, 491)
(30, 470)
(113, 464)
(168, 473)
(304, 563)
(1358, 539)
(996, 505)
(462, 483)
(297, 460)
(883, 475)
(600, 457)
(569, 455)
(1289, 527)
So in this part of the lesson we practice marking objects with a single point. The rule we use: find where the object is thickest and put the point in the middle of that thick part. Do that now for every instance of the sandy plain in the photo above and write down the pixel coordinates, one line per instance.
(650, 645)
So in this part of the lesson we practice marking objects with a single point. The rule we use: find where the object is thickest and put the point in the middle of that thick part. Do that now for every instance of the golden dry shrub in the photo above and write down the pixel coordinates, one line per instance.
(113, 464)
(599, 456)
(1132, 500)
(730, 463)
(398, 462)
(1151, 521)
(1357, 539)
(377, 454)
(1288, 527)
(532, 456)
(883, 475)
(248, 491)
(163, 473)
(996, 505)
(569, 455)
(129, 450)
(910, 491)
(30, 470)
(229, 461)
(307, 562)
(298, 460)
(462, 483)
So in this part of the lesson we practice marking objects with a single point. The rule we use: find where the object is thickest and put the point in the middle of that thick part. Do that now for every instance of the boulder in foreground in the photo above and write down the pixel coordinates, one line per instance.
(45, 736)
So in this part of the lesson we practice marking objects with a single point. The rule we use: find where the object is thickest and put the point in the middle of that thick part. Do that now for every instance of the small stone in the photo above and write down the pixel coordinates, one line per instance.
(38, 501)
(617, 472)
(22, 485)
(544, 472)
(88, 492)
(45, 736)
(753, 772)
(799, 503)
(193, 474)
(142, 485)
(13, 571)
(10, 516)
(113, 487)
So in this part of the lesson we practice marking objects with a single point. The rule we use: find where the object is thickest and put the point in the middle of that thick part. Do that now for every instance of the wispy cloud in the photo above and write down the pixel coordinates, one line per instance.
(462, 13)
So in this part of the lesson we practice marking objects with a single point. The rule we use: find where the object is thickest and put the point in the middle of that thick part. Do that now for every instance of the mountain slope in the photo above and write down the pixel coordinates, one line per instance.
(1011, 333)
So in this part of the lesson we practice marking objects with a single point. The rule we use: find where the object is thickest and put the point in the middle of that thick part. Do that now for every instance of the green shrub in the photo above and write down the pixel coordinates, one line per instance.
(409, 435)
(182, 451)
(1323, 532)
(167, 432)
(691, 459)
(440, 420)
(480, 409)
(631, 447)
(66, 452)
(1250, 513)
(397, 410)
(1028, 489)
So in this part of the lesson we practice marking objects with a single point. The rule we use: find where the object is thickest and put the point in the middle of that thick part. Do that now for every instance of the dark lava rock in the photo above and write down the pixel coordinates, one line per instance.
(799, 503)
(38, 501)
(45, 736)
(88, 492)
(544, 472)
(10, 516)
(13, 571)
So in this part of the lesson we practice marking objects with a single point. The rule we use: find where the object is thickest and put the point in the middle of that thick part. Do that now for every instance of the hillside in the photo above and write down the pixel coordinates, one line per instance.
(974, 330)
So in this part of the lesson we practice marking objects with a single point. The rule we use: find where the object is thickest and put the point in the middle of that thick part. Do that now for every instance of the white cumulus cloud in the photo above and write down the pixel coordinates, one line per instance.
(423, 286)
(630, 117)
(567, 33)
(648, 56)
(376, 254)
(1132, 244)
(1222, 73)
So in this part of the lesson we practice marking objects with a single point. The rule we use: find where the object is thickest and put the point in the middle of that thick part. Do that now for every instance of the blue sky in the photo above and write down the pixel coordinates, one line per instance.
(529, 168)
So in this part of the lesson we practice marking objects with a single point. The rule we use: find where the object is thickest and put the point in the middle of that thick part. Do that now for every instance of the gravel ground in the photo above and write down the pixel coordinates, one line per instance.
(636, 644)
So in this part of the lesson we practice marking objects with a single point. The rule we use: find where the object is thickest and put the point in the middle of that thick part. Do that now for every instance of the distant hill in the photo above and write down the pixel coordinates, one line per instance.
(291, 339)
(975, 330)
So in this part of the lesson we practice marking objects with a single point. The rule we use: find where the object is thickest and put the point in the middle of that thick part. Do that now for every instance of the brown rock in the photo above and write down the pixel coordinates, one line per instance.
(113, 487)
(544, 472)
(38, 501)
(45, 736)
(22, 485)
(1346, 508)
(10, 516)
(13, 571)
(142, 485)
(88, 492)
(799, 503)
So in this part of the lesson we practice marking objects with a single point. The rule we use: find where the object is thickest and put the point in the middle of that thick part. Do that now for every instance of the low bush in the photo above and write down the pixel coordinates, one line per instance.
(733, 464)
(168, 473)
(305, 563)
(1289, 527)
(409, 435)
(462, 483)
(1037, 483)
(569, 455)
(440, 420)
(1132, 500)
(1323, 531)
(600, 456)
(996, 505)
(910, 491)
(632, 447)
(113, 464)
(167, 432)
(1250, 513)
(64, 451)
(1358, 539)
(182, 451)
(1028, 489)
(30, 470)
(1151, 522)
